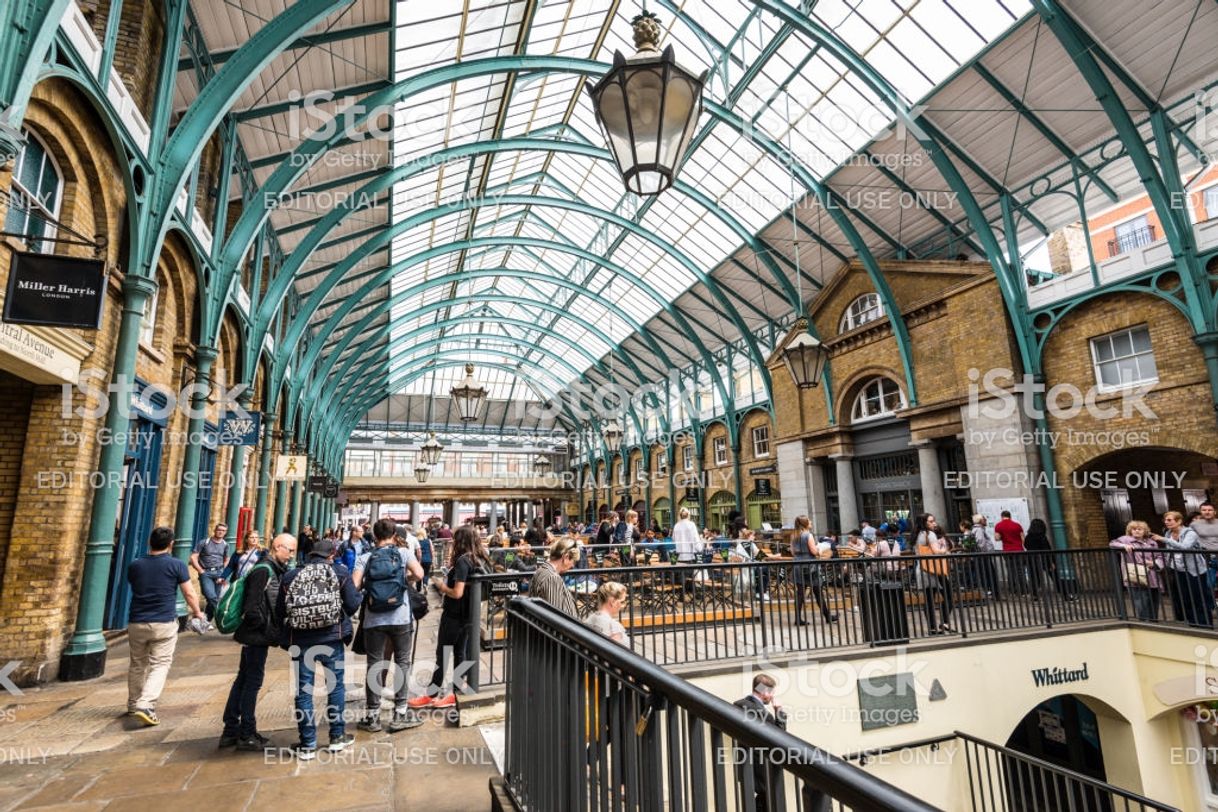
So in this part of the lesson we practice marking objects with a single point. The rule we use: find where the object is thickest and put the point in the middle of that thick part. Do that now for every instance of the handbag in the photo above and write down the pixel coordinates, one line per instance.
(932, 566)
(1136, 574)
(418, 604)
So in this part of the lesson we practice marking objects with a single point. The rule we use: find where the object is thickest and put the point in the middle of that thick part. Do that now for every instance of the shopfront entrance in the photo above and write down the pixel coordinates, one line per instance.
(203, 494)
(1065, 732)
(718, 508)
(137, 502)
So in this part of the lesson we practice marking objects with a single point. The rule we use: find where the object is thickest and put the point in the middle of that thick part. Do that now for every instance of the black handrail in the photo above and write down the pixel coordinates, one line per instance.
(826, 773)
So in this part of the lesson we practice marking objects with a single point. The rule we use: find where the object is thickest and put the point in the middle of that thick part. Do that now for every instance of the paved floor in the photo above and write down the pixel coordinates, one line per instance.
(67, 747)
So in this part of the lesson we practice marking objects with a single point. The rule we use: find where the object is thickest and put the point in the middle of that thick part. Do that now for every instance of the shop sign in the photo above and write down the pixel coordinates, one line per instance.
(316, 483)
(504, 588)
(761, 487)
(55, 291)
(1059, 675)
(239, 429)
(330, 491)
(763, 469)
(291, 467)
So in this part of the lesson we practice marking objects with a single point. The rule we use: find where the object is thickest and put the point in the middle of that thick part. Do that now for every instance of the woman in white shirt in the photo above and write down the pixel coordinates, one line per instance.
(609, 600)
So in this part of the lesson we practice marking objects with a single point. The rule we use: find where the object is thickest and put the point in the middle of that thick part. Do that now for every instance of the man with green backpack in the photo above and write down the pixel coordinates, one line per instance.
(250, 612)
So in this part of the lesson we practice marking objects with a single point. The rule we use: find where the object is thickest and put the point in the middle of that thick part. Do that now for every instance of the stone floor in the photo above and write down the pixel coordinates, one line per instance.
(67, 746)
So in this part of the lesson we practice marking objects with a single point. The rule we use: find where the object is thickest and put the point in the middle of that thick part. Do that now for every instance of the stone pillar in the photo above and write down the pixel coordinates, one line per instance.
(416, 515)
(818, 505)
(847, 499)
(931, 475)
(492, 516)
(793, 482)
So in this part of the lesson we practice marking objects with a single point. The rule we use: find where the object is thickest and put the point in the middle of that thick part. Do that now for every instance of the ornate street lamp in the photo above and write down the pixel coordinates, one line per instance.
(805, 357)
(421, 472)
(469, 396)
(612, 434)
(542, 464)
(648, 108)
(429, 452)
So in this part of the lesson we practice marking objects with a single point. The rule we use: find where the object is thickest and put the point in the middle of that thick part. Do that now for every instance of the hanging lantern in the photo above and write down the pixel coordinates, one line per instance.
(542, 464)
(805, 357)
(469, 396)
(421, 472)
(648, 108)
(429, 452)
(612, 434)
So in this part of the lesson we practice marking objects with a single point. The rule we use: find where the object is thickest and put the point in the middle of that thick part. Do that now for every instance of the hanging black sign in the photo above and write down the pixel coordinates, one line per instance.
(764, 469)
(762, 487)
(316, 483)
(330, 491)
(55, 291)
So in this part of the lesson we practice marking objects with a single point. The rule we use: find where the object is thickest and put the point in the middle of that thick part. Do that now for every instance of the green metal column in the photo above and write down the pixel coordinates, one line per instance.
(85, 655)
(264, 476)
(184, 521)
(294, 509)
(236, 485)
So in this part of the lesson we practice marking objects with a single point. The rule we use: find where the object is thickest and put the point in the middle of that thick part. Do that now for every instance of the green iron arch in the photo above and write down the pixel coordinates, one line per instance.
(359, 376)
(308, 152)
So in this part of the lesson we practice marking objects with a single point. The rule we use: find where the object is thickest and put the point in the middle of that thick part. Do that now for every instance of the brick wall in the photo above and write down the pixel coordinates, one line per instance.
(1181, 402)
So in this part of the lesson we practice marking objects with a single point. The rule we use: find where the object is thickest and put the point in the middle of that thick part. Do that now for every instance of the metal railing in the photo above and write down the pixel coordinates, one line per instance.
(1129, 240)
(999, 779)
(592, 726)
(706, 612)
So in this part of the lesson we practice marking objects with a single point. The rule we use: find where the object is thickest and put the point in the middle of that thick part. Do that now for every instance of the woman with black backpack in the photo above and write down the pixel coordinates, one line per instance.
(468, 558)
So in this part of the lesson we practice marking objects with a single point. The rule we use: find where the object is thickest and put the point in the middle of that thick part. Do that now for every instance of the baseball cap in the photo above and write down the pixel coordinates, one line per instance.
(322, 548)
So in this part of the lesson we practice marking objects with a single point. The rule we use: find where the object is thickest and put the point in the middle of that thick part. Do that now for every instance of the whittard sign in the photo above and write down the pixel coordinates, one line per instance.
(55, 291)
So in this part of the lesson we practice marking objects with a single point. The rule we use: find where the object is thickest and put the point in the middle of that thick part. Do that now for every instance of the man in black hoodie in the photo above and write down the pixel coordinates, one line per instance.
(316, 602)
(259, 629)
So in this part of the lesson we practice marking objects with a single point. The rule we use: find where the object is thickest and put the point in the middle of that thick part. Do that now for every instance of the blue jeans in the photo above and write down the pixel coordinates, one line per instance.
(210, 589)
(330, 657)
(239, 717)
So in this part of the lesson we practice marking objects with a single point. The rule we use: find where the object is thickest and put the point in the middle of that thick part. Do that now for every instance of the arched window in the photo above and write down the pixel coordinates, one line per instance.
(862, 310)
(879, 398)
(35, 195)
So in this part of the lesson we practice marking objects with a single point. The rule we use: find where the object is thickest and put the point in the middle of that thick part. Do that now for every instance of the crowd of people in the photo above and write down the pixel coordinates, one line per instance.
(365, 587)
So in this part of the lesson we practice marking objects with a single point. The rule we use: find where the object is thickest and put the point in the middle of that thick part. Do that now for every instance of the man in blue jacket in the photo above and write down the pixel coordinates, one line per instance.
(316, 602)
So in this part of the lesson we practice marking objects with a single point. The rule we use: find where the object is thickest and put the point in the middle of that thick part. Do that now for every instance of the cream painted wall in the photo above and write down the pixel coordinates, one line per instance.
(989, 689)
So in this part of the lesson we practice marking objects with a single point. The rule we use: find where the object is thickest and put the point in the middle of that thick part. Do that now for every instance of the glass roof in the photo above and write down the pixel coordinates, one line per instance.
(777, 80)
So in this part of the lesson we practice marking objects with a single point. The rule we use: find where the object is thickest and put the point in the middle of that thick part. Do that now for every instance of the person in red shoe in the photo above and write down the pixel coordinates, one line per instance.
(468, 557)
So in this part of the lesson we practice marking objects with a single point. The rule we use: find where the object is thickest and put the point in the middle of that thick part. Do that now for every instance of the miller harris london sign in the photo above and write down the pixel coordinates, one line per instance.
(55, 291)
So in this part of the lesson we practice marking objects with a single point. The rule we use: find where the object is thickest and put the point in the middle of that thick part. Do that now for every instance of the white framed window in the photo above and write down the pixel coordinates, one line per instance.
(35, 195)
(761, 441)
(662, 462)
(1124, 358)
(720, 445)
(1202, 747)
(148, 322)
(687, 457)
(619, 475)
(638, 470)
(881, 397)
(1130, 234)
(862, 310)
(1211, 202)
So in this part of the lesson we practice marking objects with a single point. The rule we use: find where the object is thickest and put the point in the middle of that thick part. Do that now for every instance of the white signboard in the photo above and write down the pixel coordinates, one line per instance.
(291, 467)
(992, 509)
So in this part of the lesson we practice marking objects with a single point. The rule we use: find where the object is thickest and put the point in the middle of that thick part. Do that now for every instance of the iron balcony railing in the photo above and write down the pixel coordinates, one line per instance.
(714, 611)
(1123, 243)
(592, 726)
(999, 778)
